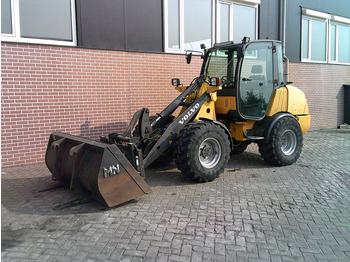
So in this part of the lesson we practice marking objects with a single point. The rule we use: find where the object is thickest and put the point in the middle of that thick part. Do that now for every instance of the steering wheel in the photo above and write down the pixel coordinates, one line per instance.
(224, 81)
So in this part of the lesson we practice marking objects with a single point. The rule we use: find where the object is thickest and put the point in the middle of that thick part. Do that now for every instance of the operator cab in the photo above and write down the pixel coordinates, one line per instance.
(249, 72)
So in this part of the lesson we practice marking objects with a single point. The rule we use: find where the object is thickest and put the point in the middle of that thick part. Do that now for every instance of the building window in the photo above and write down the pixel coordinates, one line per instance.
(333, 43)
(244, 22)
(224, 30)
(315, 39)
(39, 21)
(340, 43)
(6, 17)
(189, 23)
(325, 38)
(173, 24)
(236, 21)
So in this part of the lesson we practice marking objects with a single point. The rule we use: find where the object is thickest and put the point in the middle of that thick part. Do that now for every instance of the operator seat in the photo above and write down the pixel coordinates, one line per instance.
(257, 73)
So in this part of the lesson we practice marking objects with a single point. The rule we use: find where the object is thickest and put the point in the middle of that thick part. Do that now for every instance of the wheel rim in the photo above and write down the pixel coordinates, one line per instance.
(209, 152)
(289, 142)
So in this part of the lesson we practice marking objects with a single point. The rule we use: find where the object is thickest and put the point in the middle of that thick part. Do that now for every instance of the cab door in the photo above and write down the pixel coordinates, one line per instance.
(256, 82)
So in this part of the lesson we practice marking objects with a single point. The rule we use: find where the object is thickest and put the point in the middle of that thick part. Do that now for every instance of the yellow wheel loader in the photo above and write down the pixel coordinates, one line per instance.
(240, 97)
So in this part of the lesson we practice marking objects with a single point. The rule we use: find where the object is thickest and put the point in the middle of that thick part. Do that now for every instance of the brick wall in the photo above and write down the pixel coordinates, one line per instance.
(94, 92)
(78, 91)
(323, 87)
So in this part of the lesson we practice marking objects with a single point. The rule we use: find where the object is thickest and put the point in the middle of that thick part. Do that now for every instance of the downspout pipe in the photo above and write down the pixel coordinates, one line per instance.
(283, 16)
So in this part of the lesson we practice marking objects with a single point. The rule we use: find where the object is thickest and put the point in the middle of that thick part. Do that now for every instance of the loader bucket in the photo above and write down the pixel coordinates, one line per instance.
(100, 168)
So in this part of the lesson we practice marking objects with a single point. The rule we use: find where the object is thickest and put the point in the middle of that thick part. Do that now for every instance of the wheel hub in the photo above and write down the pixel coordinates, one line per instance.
(209, 152)
(206, 151)
(288, 142)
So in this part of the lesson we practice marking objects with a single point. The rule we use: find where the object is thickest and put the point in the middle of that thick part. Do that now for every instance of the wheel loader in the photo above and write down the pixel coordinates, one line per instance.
(240, 97)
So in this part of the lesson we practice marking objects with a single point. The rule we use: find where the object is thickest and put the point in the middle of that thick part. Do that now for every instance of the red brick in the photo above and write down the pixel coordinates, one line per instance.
(95, 92)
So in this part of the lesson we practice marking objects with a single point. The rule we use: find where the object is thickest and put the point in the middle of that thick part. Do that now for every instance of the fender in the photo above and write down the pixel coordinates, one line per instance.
(227, 131)
(273, 120)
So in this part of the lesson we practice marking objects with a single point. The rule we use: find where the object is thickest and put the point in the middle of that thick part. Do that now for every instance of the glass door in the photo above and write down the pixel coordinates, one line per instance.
(256, 83)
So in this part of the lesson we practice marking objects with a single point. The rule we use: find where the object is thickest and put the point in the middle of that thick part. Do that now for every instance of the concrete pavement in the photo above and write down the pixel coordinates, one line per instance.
(253, 212)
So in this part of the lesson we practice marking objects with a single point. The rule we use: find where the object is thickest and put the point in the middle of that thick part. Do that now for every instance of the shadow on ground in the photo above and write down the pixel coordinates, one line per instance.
(39, 194)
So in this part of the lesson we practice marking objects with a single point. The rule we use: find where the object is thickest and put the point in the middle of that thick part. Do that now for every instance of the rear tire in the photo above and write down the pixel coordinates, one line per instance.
(201, 151)
(285, 143)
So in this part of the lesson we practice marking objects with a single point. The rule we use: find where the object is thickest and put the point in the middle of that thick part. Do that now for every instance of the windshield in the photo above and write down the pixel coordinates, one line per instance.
(222, 63)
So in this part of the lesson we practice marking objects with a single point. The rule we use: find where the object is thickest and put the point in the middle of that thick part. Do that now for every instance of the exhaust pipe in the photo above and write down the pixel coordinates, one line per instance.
(283, 19)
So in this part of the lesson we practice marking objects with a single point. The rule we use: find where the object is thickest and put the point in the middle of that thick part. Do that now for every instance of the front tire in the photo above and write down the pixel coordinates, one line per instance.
(285, 143)
(202, 151)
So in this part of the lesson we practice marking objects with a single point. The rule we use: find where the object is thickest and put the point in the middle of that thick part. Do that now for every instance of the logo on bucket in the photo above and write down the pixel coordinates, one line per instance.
(112, 170)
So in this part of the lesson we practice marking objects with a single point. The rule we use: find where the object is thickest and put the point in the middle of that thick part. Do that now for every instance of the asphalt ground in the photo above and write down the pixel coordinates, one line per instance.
(252, 212)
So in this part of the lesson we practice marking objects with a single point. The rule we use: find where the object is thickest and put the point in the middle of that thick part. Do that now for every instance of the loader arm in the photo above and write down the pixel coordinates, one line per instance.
(146, 133)
(143, 129)
(164, 143)
(177, 102)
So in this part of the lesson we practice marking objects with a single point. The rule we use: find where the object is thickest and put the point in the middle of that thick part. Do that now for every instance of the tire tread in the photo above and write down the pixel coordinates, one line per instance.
(270, 151)
(186, 140)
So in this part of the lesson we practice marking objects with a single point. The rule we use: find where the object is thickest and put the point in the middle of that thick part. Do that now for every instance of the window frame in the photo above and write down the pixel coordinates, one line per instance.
(218, 21)
(330, 43)
(166, 26)
(309, 59)
(231, 11)
(215, 23)
(336, 24)
(16, 30)
(330, 20)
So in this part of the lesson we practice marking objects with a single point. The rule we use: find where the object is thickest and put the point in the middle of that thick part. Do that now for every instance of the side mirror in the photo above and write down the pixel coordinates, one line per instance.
(175, 82)
(189, 58)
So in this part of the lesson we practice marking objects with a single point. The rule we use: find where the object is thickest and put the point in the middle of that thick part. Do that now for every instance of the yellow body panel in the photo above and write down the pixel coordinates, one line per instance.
(180, 88)
(285, 99)
(207, 110)
(297, 103)
(288, 99)
(237, 129)
(305, 122)
(279, 102)
(213, 89)
(292, 100)
(225, 104)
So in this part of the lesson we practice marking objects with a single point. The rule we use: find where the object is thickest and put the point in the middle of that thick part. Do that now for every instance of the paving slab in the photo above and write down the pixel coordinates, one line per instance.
(252, 212)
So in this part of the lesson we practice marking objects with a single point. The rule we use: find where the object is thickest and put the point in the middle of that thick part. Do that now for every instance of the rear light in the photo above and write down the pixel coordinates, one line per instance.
(215, 81)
